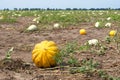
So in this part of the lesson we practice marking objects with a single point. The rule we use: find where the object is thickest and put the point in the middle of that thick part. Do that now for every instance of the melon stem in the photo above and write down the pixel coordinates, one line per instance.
(8, 54)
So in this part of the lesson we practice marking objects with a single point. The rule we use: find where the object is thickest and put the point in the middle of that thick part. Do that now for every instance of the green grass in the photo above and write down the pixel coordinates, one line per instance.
(88, 67)
(8, 20)
(64, 17)
(67, 51)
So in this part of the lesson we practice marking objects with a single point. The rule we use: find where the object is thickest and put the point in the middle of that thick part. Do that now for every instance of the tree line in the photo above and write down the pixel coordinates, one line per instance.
(31, 9)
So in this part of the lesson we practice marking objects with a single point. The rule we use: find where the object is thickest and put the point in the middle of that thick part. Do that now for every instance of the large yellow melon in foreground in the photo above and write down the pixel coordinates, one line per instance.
(43, 54)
